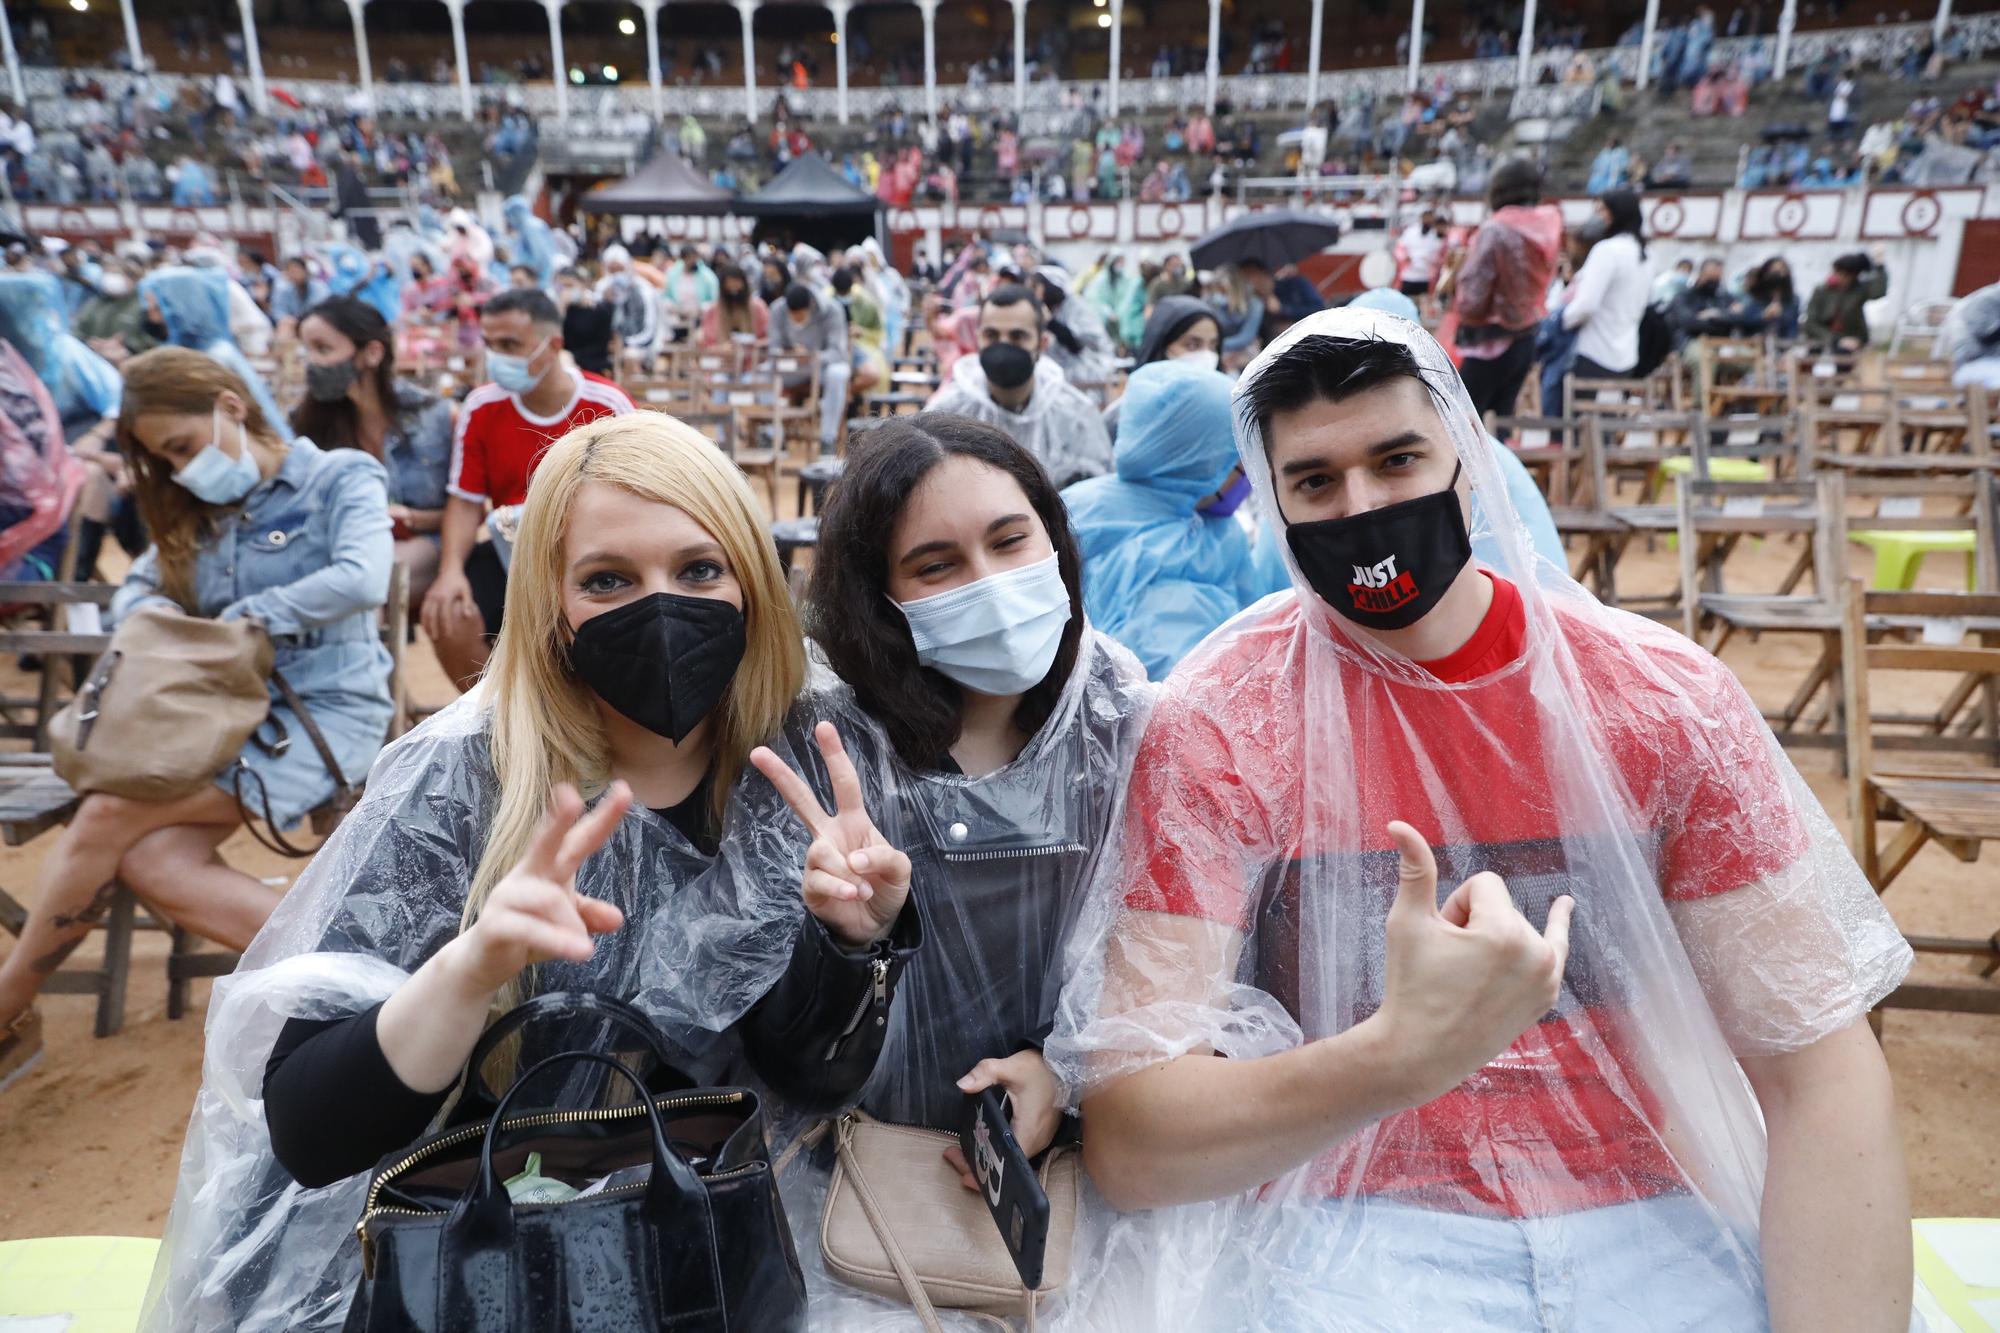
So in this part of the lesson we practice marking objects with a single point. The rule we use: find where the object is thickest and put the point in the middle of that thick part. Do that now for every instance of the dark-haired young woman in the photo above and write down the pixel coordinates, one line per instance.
(354, 401)
(993, 731)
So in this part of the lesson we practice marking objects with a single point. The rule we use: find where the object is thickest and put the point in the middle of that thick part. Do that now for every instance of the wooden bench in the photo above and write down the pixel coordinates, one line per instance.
(53, 645)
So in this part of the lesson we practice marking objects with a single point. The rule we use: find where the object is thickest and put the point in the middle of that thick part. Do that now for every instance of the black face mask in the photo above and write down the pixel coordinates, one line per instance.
(1006, 366)
(155, 329)
(330, 383)
(663, 661)
(1387, 568)
(772, 292)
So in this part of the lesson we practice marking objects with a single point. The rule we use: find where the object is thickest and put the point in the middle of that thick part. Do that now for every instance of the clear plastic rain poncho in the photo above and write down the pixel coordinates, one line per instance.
(532, 244)
(1158, 575)
(1000, 865)
(85, 386)
(1059, 426)
(248, 1248)
(377, 281)
(194, 302)
(1610, 1163)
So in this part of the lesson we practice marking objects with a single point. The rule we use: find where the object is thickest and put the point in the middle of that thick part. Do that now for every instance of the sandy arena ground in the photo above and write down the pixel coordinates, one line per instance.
(90, 1141)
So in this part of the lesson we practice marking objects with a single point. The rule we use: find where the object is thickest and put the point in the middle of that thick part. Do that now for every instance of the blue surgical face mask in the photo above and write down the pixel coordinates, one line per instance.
(998, 636)
(214, 476)
(511, 372)
(1229, 501)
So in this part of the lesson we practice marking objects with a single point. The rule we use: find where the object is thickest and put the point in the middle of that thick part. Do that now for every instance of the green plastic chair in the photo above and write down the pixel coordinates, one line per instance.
(96, 1283)
(1899, 554)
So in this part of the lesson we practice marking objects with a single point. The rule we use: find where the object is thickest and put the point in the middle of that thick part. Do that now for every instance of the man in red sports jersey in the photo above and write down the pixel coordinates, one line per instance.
(503, 430)
(1664, 1113)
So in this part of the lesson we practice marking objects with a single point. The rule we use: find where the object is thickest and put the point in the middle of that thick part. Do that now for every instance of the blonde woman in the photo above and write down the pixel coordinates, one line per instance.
(244, 525)
(650, 643)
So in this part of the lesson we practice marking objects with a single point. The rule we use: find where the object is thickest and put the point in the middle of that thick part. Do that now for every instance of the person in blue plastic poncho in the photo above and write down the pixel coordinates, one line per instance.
(532, 244)
(377, 281)
(84, 385)
(1164, 561)
(192, 305)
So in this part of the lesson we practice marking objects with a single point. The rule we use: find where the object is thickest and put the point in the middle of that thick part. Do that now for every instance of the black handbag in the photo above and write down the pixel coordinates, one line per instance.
(699, 1246)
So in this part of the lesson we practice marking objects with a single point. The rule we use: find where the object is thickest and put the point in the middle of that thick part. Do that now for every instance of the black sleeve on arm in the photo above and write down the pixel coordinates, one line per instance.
(815, 1035)
(332, 1103)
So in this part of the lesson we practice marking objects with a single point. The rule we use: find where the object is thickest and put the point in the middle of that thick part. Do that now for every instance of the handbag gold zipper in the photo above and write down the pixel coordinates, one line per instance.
(370, 1209)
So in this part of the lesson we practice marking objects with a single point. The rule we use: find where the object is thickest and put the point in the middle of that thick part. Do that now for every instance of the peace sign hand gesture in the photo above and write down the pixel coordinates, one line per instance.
(536, 914)
(855, 882)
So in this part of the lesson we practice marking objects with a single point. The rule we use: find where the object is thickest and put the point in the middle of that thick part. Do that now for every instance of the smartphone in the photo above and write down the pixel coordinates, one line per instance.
(1006, 1178)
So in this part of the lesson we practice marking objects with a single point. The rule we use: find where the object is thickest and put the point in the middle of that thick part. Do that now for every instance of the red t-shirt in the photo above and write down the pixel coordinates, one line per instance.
(498, 442)
(1217, 829)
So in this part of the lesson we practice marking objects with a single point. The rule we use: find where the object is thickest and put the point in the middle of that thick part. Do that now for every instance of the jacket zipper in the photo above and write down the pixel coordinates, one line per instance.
(369, 1208)
(877, 993)
(1054, 849)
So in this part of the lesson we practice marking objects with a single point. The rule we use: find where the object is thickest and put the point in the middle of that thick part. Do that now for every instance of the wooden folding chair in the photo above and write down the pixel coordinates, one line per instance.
(1954, 805)
(61, 649)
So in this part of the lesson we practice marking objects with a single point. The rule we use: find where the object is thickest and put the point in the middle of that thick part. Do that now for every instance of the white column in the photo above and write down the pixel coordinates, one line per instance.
(929, 10)
(1214, 50)
(1646, 36)
(746, 8)
(556, 50)
(1020, 57)
(1416, 43)
(255, 57)
(138, 57)
(355, 10)
(13, 61)
(1117, 31)
(1788, 19)
(1937, 28)
(839, 8)
(457, 10)
(1312, 57)
(651, 9)
(1526, 75)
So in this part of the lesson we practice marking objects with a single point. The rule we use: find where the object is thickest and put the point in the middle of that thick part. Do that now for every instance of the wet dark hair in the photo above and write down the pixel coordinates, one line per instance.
(1768, 286)
(1013, 293)
(1320, 368)
(726, 273)
(798, 296)
(843, 281)
(337, 425)
(530, 301)
(1626, 219)
(1515, 182)
(865, 636)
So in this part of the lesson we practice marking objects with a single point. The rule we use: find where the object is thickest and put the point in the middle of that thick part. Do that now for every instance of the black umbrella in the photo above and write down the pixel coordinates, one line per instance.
(1275, 238)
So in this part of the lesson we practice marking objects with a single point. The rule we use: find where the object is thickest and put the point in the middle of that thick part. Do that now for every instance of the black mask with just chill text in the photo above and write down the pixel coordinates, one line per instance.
(663, 661)
(1386, 569)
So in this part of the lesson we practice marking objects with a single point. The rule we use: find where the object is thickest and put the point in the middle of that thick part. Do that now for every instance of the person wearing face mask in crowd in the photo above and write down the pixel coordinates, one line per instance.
(1608, 299)
(1079, 343)
(1164, 559)
(990, 727)
(1179, 327)
(353, 400)
(1420, 251)
(1621, 1071)
(815, 323)
(503, 429)
(1012, 384)
(864, 330)
(190, 307)
(634, 305)
(1175, 279)
(1769, 287)
(247, 524)
(589, 326)
(113, 323)
(297, 292)
(652, 643)
(736, 315)
(774, 279)
(690, 287)
(1120, 297)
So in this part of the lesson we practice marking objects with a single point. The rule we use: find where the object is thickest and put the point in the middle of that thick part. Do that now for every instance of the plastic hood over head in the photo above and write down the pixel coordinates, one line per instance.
(533, 244)
(1174, 430)
(33, 319)
(1718, 916)
(1172, 317)
(194, 302)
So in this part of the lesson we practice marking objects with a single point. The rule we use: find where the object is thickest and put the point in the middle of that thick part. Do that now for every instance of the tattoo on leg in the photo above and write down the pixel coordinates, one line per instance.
(99, 903)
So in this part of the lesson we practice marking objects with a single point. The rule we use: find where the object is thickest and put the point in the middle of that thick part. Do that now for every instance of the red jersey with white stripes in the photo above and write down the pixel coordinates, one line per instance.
(498, 441)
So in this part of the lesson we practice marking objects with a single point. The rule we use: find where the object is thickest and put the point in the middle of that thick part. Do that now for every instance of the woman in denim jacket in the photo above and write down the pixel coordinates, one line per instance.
(244, 526)
(354, 401)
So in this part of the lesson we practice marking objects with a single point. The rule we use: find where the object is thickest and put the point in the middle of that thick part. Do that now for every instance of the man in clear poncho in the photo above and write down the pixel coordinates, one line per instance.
(533, 244)
(1458, 1116)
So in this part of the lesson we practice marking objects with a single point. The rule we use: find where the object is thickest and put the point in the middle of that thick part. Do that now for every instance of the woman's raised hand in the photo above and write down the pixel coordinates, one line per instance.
(536, 914)
(855, 882)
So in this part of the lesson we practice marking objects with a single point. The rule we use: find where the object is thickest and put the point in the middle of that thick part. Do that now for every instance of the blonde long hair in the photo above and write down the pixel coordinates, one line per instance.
(545, 726)
(178, 381)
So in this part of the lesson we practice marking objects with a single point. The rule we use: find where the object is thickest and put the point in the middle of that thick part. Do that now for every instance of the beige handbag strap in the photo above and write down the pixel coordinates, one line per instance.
(913, 1287)
(803, 1143)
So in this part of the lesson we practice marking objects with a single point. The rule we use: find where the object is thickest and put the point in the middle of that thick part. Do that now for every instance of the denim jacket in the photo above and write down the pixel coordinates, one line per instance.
(308, 552)
(417, 448)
